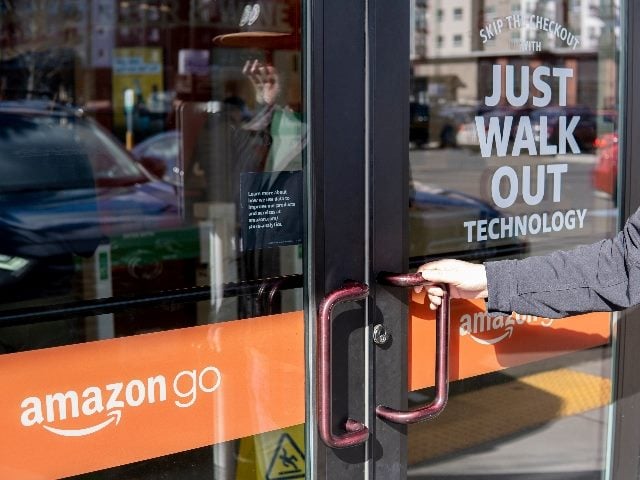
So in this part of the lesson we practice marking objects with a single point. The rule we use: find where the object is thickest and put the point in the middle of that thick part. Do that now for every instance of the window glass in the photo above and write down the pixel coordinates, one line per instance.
(151, 157)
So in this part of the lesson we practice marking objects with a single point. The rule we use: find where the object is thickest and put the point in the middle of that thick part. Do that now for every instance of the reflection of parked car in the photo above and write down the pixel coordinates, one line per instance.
(419, 124)
(159, 154)
(435, 124)
(584, 133)
(467, 133)
(605, 173)
(436, 226)
(445, 121)
(66, 185)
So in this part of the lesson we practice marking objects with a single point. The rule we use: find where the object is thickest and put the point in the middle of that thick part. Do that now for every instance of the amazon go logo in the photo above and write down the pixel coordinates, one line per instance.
(488, 330)
(98, 406)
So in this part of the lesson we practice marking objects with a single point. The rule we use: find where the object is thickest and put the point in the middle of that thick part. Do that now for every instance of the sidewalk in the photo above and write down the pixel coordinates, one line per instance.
(567, 446)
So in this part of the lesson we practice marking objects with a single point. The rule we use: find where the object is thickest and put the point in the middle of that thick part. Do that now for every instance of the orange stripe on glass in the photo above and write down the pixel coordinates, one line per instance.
(86, 407)
(481, 344)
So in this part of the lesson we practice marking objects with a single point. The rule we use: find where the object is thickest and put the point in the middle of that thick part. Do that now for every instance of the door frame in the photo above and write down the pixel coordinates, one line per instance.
(357, 140)
(625, 436)
(359, 124)
(336, 213)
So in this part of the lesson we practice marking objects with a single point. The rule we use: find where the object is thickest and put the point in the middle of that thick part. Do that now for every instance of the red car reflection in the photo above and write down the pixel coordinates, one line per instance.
(604, 176)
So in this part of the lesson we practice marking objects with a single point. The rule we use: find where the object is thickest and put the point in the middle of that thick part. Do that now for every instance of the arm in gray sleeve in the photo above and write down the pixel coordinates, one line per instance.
(603, 276)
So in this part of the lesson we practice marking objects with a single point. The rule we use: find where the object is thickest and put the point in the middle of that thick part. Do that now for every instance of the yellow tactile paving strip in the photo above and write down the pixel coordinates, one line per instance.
(494, 412)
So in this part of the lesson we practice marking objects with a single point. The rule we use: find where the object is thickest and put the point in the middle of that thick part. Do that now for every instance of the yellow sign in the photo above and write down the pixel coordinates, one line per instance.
(277, 455)
(138, 69)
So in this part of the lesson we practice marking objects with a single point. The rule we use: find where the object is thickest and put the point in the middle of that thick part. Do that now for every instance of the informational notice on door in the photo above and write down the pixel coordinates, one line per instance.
(271, 210)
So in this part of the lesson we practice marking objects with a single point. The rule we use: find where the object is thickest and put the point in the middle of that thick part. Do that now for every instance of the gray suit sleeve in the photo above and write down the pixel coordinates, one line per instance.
(604, 276)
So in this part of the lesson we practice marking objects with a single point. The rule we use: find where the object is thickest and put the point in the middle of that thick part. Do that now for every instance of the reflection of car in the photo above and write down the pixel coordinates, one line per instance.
(445, 121)
(605, 173)
(159, 154)
(65, 186)
(467, 134)
(436, 225)
(584, 133)
(435, 123)
(419, 124)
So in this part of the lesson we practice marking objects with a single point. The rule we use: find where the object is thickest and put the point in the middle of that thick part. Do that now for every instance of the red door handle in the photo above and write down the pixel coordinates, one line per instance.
(355, 432)
(436, 406)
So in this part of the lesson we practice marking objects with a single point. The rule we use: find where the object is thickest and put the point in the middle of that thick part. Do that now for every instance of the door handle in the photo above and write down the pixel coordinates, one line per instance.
(266, 300)
(438, 403)
(354, 432)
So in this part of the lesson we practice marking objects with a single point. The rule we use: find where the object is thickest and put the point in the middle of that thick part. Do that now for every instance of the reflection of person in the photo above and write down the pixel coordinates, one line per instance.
(265, 80)
(603, 276)
(249, 147)
(233, 142)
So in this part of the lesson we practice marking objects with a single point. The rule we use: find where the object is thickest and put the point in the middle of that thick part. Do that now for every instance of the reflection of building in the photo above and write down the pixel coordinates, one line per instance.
(448, 68)
(28, 64)
(419, 29)
(88, 53)
(461, 36)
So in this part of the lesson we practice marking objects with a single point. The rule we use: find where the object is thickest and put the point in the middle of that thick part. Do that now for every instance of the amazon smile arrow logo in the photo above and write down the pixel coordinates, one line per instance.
(507, 334)
(81, 432)
(488, 330)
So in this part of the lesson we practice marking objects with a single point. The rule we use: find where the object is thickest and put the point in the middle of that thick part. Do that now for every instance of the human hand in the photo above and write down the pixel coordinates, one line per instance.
(466, 280)
(265, 81)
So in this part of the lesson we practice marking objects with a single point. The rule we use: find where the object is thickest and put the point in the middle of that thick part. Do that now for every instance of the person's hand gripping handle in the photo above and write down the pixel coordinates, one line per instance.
(466, 280)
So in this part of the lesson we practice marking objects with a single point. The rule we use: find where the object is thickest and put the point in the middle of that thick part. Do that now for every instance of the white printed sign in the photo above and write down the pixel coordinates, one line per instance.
(513, 136)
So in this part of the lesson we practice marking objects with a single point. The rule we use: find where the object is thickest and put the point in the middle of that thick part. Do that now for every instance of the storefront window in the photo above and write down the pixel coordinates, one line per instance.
(151, 183)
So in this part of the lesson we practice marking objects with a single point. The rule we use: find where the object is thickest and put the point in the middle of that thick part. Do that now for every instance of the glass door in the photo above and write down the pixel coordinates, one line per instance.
(496, 139)
(152, 239)
(514, 124)
(211, 212)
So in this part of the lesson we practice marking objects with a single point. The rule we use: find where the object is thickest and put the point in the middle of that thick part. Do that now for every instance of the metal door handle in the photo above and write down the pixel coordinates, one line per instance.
(436, 406)
(265, 299)
(355, 432)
